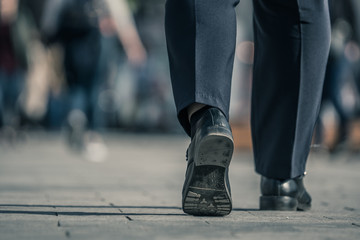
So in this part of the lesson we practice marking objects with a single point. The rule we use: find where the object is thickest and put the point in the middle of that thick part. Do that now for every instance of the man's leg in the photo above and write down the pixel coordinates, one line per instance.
(292, 41)
(201, 39)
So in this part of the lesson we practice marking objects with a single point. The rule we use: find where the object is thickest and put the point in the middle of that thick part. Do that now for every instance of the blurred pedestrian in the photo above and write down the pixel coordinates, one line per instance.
(292, 40)
(340, 78)
(15, 35)
(123, 59)
(74, 25)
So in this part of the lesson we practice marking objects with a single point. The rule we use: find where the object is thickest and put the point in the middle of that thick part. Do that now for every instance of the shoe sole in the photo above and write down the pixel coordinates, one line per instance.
(207, 193)
(282, 203)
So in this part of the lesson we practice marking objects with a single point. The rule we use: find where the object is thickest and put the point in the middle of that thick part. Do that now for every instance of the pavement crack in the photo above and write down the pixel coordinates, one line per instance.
(355, 224)
(126, 216)
(250, 213)
(207, 222)
(349, 209)
(56, 213)
(330, 218)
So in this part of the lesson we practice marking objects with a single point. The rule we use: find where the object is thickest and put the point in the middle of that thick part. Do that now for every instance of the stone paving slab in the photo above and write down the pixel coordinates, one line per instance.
(49, 192)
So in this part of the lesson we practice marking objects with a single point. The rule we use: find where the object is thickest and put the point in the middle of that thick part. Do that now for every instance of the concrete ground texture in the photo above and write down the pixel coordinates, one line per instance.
(50, 192)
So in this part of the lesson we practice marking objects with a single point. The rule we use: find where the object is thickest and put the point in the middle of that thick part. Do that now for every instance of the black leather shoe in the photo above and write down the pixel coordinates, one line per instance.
(206, 190)
(286, 195)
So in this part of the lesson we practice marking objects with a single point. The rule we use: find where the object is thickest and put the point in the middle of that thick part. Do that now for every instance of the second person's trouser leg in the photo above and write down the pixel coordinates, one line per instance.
(291, 48)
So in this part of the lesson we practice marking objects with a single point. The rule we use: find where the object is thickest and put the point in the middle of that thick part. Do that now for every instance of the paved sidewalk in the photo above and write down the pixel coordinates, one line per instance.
(47, 192)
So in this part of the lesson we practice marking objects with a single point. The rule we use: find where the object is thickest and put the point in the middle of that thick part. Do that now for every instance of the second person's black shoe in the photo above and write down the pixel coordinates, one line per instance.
(206, 190)
(285, 195)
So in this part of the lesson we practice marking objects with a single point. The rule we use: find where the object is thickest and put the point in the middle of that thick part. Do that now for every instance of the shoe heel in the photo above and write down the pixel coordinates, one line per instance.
(215, 150)
(207, 194)
(279, 203)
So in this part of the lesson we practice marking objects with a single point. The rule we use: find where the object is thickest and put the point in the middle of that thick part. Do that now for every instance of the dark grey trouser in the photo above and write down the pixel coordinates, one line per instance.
(292, 39)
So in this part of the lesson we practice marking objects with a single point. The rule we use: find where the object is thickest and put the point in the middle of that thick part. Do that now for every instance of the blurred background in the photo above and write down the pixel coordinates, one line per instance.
(87, 68)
